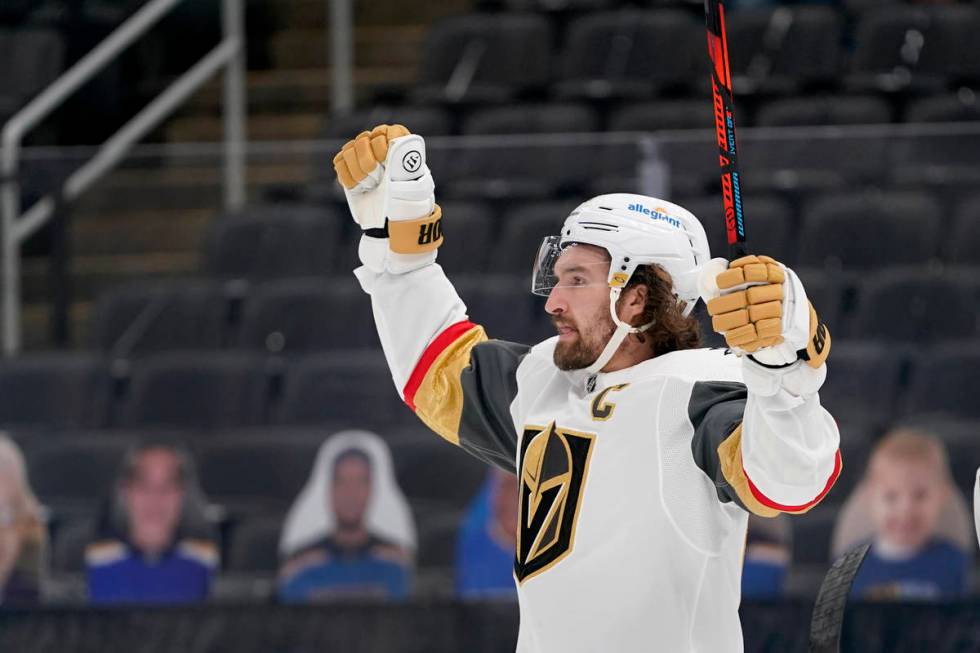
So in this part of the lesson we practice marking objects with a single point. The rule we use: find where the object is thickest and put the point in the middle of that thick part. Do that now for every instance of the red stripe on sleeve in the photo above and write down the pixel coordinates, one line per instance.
(429, 356)
(769, 503)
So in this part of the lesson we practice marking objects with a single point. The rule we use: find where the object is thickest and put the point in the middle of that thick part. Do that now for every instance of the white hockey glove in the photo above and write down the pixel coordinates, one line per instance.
(390, 193)
(761, 308)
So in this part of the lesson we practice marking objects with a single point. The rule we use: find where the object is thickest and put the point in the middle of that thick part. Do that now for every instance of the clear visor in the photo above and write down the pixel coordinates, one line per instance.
(545, 277)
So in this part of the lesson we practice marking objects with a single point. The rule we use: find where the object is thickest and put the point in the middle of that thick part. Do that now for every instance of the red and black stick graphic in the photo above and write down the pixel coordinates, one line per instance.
(724, 104)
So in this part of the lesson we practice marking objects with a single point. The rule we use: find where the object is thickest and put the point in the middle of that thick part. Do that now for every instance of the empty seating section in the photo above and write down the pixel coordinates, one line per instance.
(870, 231)
(195, 391)
(621, 54)
(273, 347)
(485, 58)
(143, 317)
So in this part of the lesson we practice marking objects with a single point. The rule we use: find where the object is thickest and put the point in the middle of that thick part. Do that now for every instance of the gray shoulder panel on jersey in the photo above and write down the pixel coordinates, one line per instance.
(715, 410)
(489, 386)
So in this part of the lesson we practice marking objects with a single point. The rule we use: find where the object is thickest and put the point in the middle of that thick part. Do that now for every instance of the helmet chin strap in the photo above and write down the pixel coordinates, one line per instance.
(618, 336)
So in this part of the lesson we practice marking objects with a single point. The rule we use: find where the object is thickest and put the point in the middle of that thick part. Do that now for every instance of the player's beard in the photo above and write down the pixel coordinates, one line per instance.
(589, 343)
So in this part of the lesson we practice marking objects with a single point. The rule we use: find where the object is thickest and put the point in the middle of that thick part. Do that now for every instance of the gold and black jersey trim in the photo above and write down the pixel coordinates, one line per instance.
(462, 388)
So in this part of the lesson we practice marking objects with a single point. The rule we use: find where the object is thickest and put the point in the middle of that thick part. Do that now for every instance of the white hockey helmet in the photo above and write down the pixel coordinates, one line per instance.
(635, 230)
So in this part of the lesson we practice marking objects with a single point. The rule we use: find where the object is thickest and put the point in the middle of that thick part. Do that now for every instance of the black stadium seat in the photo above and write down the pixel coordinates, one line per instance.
(435, 474)
(484, 57)
(297, 316)
(353, 388)
(276, 240)
(860, 230)
(502, 304)
(257, 475)
(916, 306)
(54, 390)
(193, 390)
(143, 317)
(784, 48)
(659, 115)
(963, 246)
(425, 120)
(75, 474)
(944, 381)
(621, 54)
(524, 229)
(255, 545)
(811, 535)
(929, 44)
(471, 231)
(863, 381)
(511, 166)
(964, 106)
(770, 222)
(824, 110)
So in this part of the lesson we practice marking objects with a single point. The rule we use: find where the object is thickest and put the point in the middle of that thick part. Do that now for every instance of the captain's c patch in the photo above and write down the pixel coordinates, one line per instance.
(554, 463)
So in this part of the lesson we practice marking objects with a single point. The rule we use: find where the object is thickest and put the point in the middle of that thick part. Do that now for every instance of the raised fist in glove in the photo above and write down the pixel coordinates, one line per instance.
(390, 193)
(762, 310)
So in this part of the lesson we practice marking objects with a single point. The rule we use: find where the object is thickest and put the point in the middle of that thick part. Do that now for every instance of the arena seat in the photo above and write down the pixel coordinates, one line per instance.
(870, 230)
(150, 316)
(54, 390)
(824, 110)
(863, 381)
(659, 115)
(960, 107)
(437, 532)
(68, 546)
(255, 545)
(518, 168)
(916, 306)
(257, 475)
(620, 54)
(471, 229)
(194, 390)
(771, 223)
(274, 240)
(945, 48)
(944, 381)
(345, 387)
(73, 475)
(302, 315)
(502, 304)
(783, 49)
(425, 120)
(523, 230)
(435, 475)
(484, 57)
(811, 535)
(963, 245)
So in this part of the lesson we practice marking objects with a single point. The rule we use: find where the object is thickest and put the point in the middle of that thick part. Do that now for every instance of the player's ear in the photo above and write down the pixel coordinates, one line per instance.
(633, 303)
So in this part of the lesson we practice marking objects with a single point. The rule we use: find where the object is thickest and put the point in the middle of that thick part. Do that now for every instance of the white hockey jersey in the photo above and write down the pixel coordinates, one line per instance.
(634, 485)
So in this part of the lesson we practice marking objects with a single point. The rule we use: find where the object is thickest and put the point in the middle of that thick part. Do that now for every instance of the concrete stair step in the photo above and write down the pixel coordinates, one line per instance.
(177, 186)
(36, 331)
(313, 13)
(260, 128)
(91, 275)
(141, 232)
(297, 90)
(309, 47)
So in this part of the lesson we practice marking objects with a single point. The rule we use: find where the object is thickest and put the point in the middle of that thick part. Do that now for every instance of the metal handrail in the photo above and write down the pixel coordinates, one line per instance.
(16, 227)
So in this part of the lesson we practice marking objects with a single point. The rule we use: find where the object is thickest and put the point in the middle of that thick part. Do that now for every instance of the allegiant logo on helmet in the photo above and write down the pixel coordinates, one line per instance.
(655, 214)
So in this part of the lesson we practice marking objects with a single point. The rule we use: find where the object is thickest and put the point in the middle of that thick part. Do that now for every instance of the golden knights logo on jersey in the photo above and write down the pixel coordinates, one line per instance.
(553, 465)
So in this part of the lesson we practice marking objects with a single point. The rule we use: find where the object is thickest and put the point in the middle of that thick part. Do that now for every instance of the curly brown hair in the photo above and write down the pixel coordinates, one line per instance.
(671, 330)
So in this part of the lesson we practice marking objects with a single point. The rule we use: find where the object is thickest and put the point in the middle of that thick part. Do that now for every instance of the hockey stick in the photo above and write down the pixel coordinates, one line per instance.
(828, 612)
(724, 104)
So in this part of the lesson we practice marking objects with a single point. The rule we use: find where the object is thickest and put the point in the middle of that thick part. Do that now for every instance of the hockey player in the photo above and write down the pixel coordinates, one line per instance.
(639, 455)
